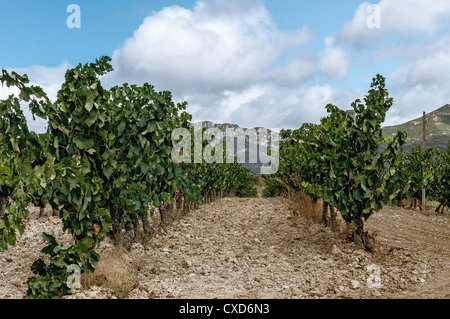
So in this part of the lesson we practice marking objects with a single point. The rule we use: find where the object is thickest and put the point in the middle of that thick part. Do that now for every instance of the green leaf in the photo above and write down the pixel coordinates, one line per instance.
(83, 142)
(357, 194)
(48, 249)
(50, 238)
(108, 171)
(39, 267)
(157, 200)
(84, 244)
(25, 95)
(89, 105)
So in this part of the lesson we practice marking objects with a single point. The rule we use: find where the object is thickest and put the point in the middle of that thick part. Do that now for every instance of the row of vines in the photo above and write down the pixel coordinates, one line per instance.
(103, 165)
(346, 161)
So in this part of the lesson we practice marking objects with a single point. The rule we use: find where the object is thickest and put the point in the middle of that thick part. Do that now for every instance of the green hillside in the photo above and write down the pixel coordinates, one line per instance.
(437, 129)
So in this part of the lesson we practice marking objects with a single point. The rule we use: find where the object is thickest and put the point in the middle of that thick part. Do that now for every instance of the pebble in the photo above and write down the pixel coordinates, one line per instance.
(335, 250)
(377, 293)
(316, 293)
(355, 284)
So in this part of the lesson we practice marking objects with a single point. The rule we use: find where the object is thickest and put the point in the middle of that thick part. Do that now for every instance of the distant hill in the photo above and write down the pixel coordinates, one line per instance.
(437, 130)
(254, 167)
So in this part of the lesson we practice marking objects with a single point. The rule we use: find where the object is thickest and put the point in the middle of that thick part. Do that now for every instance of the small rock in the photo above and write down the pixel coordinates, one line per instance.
(296, 291)
(316, 293)
(257, 240)
(355, 284)
(335, 250)
(376, 293)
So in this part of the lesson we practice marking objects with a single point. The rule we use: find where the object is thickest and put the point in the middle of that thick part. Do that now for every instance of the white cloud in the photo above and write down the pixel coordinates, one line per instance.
(421, 84)
(5, 92)
(431, 66)
(333, 60)
(224, 58)
(218, 45)
(270, 105)
(398, 18)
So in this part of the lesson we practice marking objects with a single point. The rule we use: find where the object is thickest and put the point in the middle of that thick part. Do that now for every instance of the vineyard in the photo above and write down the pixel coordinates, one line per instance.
(105, 171)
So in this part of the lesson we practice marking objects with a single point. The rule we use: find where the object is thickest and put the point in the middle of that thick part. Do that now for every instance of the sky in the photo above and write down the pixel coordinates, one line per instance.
(255, 63)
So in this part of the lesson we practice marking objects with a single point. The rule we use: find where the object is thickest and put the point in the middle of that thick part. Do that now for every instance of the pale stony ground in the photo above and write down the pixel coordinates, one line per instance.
(251, 248)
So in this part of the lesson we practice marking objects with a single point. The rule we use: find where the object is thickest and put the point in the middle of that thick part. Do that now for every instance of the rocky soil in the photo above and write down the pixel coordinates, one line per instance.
(256, 248)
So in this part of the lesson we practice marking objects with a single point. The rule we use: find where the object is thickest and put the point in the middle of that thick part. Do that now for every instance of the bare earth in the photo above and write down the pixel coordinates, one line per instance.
(250, 248)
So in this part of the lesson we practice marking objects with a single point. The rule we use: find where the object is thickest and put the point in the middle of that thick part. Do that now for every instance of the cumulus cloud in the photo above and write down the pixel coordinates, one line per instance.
(218, 45)
(422, 83)
(397, 18)
(431, 66)
(227, 59)
(333, 60)
(271, 105)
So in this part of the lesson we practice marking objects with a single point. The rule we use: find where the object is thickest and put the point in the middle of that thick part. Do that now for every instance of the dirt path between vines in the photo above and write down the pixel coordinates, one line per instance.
(255, 248)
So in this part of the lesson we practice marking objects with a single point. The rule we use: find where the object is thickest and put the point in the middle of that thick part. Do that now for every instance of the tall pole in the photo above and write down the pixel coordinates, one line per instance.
(424, 149)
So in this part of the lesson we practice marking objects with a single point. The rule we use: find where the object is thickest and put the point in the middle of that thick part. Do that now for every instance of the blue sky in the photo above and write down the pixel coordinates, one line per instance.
(281, 62)
(40, 26)
(37, 34)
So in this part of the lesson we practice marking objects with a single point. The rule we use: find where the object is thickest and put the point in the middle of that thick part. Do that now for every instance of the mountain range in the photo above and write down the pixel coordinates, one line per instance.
(437, 132)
